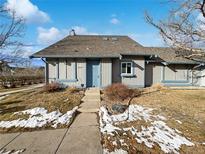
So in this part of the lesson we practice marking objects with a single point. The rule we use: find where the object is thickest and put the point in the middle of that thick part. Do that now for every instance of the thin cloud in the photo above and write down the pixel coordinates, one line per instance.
(114, 21)
(53, 34)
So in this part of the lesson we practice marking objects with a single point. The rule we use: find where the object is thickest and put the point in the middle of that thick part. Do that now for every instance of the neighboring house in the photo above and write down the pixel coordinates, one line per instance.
(98, 61)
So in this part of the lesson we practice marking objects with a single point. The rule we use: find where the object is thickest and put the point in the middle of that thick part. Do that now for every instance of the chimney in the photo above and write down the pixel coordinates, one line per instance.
(72, 32)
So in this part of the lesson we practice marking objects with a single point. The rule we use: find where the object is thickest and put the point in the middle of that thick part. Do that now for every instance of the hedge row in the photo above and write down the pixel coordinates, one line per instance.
(14, 81)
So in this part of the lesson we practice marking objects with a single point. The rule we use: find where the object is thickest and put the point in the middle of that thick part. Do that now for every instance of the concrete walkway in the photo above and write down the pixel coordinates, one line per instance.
(20, 90)
(83, 136)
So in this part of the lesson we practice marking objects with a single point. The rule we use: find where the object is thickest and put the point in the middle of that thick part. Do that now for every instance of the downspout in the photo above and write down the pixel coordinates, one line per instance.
(46, 70)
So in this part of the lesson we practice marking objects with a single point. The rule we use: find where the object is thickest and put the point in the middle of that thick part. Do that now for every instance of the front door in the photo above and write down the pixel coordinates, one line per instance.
(93, 73)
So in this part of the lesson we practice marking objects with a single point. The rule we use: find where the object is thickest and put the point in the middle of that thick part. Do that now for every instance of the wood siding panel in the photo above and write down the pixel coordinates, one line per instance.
(62, 69)
(52, 69)
(106, 72)
(69, 69)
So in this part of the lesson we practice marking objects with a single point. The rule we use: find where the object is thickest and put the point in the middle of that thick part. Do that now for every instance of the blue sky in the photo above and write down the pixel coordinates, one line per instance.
(48, 21)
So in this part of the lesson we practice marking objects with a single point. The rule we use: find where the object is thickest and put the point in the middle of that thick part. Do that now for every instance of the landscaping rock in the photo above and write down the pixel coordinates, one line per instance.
(119, 108)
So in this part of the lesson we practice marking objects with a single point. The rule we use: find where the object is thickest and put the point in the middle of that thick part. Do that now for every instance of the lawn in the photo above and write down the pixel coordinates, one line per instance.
(56, 103)
(162, 120)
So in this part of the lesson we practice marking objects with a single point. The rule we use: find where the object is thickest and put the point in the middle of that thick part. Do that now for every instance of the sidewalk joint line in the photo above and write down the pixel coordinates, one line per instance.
(11, 141)
(61, 141)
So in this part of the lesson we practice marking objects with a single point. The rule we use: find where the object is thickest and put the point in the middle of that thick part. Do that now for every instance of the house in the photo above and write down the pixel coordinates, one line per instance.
(100, 60)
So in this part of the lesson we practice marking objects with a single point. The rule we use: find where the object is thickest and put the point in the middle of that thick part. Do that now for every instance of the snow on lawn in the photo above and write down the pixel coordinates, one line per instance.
(39, 117)
(118, 151)
(159, 133)
(2, 97)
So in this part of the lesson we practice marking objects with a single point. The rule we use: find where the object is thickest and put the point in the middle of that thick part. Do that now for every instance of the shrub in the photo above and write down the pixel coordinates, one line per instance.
(53, 87)
(118, 91)
(158, 86)
(73, 90)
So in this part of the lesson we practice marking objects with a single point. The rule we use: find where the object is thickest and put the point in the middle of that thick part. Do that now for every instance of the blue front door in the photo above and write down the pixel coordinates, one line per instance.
(93, 73)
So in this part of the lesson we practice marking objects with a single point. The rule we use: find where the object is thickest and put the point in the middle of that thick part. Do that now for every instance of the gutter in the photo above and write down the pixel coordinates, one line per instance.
(201, 64)
(44, 60)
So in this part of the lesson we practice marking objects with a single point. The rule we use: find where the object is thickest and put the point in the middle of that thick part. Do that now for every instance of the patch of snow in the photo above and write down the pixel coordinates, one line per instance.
(137, 112)
(161, 117)
(179, 132)
(134, 112)
(33, 112)
(39, 117)
(114, 143)
(2, 97)
(178, 121)
(117, 151)
(199, 122)
(159, 133)
(106, 122)
(122, 142)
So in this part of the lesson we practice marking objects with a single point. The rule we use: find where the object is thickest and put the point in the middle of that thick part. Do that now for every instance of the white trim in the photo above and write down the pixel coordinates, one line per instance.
(132, 69)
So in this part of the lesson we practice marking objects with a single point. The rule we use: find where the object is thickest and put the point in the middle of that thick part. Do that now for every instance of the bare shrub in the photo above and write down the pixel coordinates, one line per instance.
(158, 86)
(118, 91)
(53, 87)
(73, 90)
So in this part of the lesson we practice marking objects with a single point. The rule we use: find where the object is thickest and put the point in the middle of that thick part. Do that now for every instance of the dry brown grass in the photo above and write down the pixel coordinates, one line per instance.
(61, 100)
(188, 106)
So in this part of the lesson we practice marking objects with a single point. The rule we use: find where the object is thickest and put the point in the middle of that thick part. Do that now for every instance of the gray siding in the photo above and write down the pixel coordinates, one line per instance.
(71, 72)
(62, 69)
(106, 72)
(52, 69)
(171, 75)
(137, 80)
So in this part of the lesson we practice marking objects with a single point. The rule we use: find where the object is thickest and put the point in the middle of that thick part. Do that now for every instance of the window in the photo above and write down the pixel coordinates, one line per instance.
(126, 68)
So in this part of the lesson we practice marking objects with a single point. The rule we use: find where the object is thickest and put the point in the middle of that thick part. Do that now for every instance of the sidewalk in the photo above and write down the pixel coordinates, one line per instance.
(20, 90)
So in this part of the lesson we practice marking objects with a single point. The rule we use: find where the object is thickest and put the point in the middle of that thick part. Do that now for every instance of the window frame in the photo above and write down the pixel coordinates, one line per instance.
(127, 74)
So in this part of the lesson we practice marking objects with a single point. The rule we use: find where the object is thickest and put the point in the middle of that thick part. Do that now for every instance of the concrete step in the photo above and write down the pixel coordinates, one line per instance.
(90, 105)
(94, 101)
(92, 94)
(87, 110)
(90, 98)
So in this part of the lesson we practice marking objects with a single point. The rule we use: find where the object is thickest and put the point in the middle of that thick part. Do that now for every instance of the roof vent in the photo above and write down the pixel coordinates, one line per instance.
(72, 32)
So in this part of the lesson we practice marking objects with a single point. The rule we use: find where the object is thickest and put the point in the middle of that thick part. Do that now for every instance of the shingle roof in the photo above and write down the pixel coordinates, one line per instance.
(167, 55)
(105, 46)
(89, 46)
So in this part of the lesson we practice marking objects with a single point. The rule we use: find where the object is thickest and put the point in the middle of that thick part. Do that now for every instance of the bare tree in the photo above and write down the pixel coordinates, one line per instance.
(11, 31)
(184, 28)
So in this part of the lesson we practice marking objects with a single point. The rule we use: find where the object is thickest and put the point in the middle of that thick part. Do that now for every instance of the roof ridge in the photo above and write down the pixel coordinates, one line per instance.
(101, 35)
